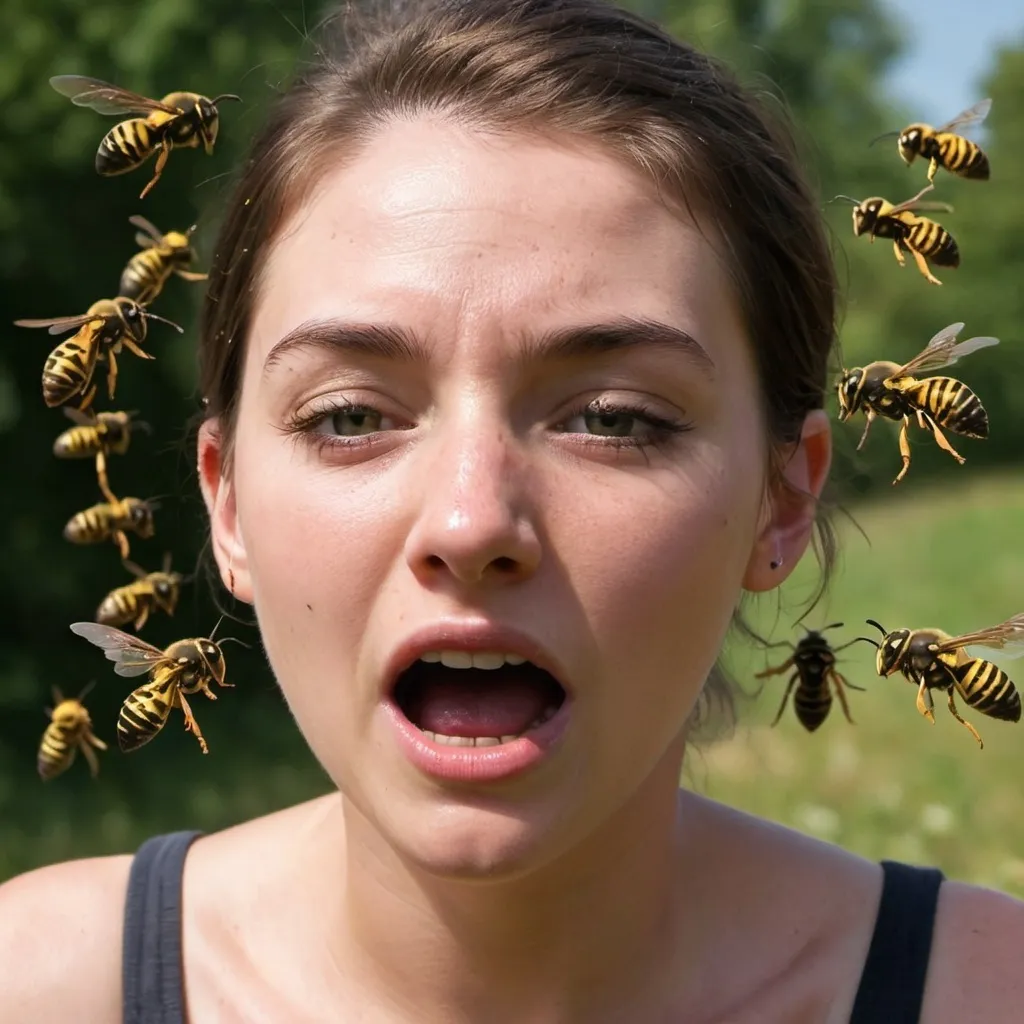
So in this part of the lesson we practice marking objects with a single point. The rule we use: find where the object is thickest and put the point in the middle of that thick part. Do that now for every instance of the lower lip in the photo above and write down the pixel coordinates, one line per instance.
(477, 764)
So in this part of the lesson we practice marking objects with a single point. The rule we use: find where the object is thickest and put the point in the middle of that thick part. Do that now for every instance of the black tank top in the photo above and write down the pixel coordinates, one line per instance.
(891, 985)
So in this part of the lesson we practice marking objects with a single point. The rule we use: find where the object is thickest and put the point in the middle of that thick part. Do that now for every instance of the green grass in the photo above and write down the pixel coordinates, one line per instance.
(893, 785)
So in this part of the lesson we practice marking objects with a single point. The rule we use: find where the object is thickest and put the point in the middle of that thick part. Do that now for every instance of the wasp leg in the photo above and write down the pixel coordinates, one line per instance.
(83, 406)
(932, 168)
(870, 417)
(190, 275)
(96, 741)
(785, 697)
(111, 373)
(777, 670)
(898, 253)
(120, 538)
(838, 682)
(940, 440)
(161, 160)
(191, 725)
(956, 714)
(90, 756)
(101, 473)
(922, 265)
(143, 615)
(904, 450)
(924, 702)
(132, 347)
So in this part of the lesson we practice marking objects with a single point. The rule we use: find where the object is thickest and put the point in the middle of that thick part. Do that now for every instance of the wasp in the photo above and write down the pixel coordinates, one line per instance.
(179, 120)
(943, 146)
(814, 675)
(69, 731)
(924, 239)
(937, 661)
(136, 601)
(99, 435)
(887, 389)
(184, 668)
(99, 335)
(162, 255)
(110, 521)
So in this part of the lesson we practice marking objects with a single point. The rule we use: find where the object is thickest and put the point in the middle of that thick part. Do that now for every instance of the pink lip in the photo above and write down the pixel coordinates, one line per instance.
(473, 764)
(476, 764)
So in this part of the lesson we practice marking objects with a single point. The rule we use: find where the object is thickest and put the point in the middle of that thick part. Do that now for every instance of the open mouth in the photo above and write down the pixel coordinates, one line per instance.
(476, 699)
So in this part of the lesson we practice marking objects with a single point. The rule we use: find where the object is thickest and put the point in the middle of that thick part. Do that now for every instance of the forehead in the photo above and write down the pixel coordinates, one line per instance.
(453, 228)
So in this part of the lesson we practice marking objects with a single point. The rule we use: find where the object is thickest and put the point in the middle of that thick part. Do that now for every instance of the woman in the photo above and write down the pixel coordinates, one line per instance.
(514, 358)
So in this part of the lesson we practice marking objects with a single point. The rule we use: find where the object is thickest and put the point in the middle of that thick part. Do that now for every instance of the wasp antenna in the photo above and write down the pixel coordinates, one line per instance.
(58, 697)
(87, 690)
(144, 426)
(866, 639)
(163, 320)
(213, 632)
(225, 96)
(167, 560)
(849, 199)
(884, 135)
(227, 639)
(881, 629)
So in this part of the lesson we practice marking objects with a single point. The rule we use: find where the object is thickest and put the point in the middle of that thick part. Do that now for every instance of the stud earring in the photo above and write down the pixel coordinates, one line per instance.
(776, 562)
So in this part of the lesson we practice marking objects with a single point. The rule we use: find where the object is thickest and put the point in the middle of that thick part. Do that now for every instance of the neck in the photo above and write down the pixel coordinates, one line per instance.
(581, 938)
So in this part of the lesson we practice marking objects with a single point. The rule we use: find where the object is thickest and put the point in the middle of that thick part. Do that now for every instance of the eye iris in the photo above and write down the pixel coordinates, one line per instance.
(610, 424)
(355, 421)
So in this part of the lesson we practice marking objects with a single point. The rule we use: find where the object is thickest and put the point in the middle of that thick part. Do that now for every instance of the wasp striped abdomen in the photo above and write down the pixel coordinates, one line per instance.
(933, 242)
(125, 146)
(988, 689)
(68, 370)
(145, 711)
(959, 156)
(952, 404)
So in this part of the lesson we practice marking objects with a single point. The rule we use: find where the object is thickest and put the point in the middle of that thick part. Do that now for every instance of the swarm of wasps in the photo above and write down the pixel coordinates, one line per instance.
(930, 658)
(180, 120)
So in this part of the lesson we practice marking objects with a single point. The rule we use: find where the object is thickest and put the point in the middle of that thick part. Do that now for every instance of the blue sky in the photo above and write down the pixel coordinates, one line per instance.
(951, 48)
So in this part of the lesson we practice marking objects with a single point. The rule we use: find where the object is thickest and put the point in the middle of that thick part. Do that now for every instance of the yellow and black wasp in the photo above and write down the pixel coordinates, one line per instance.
(813, 662)
(97, 435)
(934, 660)
(184, 668)
(69, 731)
(179, 120)
(162, 255)
(924, 239)
(100, 333)
(137, 600)
(943, 146)
(887, 389)
(109, 520)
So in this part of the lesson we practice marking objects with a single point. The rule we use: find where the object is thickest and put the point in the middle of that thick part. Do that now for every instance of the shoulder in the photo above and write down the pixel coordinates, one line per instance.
(60, 942)
(975, 969)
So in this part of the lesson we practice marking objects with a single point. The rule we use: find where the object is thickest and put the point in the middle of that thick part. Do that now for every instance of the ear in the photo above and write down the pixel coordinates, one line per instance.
(790, 506)
(219, 495)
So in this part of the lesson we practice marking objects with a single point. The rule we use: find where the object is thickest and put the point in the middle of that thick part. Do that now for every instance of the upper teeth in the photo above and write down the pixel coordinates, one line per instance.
(472, 659)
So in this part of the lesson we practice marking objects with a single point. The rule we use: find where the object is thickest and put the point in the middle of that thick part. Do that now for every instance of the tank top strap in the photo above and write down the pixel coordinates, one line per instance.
(152, 974)
(892, 983)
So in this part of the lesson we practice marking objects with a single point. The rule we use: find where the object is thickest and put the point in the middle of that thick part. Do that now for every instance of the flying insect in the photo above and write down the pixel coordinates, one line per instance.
(137, 600)
(814, 675)
(147, 271)
(887, 389)
(924, 239)
(99, 435)
(943, 146)
(184, 668)
(69, 731)
(99, 335)
(934, 660)
(110, 521)
(179, 120)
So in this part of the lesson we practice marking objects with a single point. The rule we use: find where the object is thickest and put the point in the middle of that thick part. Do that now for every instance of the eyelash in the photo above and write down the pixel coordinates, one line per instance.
(659, 429)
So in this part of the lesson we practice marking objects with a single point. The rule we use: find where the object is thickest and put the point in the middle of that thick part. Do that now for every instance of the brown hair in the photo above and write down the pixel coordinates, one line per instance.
(582, 68)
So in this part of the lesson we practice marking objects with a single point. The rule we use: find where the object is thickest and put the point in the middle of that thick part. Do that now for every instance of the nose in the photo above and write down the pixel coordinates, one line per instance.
(475, 522)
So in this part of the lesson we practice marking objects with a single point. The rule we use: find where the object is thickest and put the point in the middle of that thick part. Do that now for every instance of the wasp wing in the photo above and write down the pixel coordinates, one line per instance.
(914, 203)
(105, 98)
(80, 418)
(59, 325)
(132, 655)
(149, 228)
(943, 350)
(970, 116)
(1006, 634)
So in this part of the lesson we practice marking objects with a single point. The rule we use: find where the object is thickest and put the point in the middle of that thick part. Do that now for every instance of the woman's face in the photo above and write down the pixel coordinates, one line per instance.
(498, 397)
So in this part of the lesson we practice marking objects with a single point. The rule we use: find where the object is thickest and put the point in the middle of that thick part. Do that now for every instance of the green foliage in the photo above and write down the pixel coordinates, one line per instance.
(64, 237)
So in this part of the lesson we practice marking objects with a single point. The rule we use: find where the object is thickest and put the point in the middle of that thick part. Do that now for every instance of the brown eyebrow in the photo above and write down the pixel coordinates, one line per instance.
(580, 341)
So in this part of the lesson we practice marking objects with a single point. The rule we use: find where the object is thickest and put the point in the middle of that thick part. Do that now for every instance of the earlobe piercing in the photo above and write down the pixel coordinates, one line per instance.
(776, 562)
